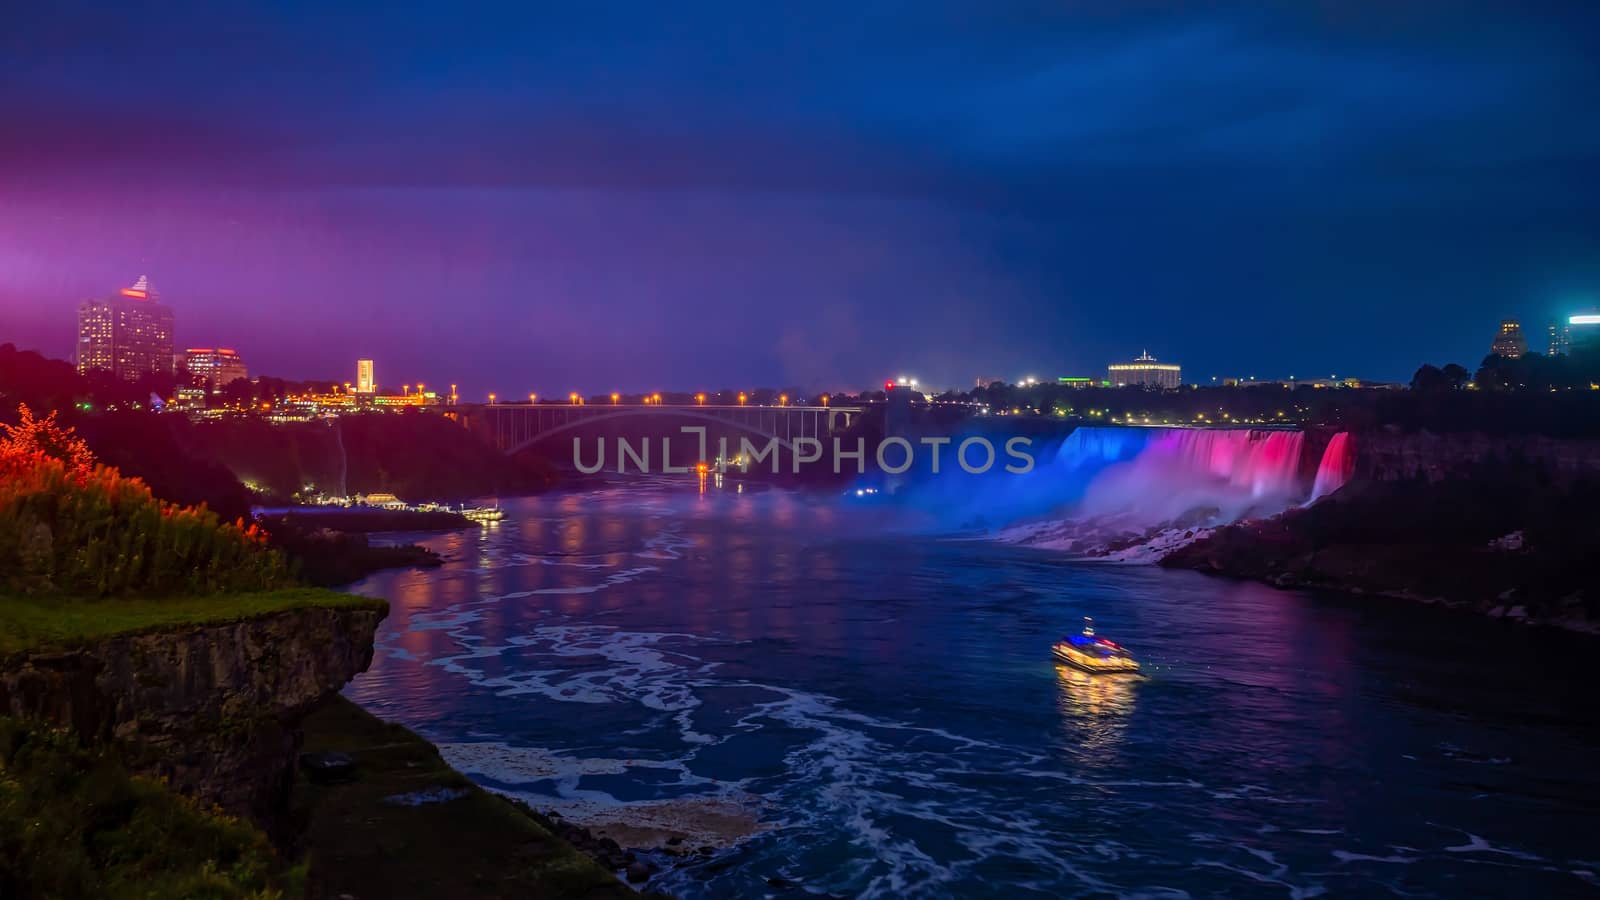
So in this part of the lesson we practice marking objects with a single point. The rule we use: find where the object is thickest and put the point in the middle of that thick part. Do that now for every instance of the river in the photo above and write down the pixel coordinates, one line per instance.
(875, 708)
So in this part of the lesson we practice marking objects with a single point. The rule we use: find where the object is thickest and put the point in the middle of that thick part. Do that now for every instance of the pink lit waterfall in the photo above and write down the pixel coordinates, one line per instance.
(1337, 465)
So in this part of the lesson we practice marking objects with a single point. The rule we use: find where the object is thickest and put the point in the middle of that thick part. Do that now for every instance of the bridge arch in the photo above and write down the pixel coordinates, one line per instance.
(821, 419)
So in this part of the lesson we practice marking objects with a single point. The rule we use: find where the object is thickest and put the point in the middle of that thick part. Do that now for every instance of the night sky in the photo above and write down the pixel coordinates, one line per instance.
(698, 196)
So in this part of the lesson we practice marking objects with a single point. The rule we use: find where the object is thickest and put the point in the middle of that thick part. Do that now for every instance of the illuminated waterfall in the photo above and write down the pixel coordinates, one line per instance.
(1129, 477)
(1216, 475)
(1338, 462)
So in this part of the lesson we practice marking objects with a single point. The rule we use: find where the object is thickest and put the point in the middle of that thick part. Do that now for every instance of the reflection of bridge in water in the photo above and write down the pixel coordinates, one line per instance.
(515, 426)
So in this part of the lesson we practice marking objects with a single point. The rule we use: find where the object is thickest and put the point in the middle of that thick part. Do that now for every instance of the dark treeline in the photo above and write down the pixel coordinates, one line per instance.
(1565, 412)
(416, 455)
(44, 383)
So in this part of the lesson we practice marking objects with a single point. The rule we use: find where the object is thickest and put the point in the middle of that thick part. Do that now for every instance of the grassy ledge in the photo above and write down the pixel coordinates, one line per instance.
(361, 842)
(48, 623)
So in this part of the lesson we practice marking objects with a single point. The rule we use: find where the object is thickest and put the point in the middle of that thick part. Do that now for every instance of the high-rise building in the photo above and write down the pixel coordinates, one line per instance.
(365, 383)
(215, 368)
(1560, 339)
(128, 334)
(1145, 372)
(1508, 342)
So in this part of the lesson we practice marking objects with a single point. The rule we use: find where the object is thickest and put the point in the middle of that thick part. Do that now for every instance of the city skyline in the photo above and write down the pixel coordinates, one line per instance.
(733, 194)
(365, 381)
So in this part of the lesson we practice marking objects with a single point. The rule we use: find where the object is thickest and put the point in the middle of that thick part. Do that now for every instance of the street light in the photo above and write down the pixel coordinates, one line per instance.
(783, 399)
(656, 398)
(532, 399)
(491, 399)
(824, 399)
(700, 398)
(574, 398)
(615, 397)
(741, 398)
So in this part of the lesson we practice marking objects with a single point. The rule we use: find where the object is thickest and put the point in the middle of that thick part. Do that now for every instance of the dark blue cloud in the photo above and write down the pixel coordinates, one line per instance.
(1065, 182)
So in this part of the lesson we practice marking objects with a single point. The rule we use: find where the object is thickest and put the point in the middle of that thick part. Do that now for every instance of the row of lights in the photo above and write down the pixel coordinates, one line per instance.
(575, 399)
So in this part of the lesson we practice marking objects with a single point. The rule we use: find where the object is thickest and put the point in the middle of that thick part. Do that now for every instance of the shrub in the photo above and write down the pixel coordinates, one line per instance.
(69, 526)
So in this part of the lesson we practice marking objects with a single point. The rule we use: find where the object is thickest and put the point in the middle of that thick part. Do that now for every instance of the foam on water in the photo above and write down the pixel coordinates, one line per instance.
(898, 805)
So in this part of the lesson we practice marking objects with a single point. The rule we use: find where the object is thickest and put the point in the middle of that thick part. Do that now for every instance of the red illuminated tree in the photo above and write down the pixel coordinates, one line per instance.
(33, 437)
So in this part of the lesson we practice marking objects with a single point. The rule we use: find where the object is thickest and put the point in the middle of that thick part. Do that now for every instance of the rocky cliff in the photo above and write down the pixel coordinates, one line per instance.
(1384, 455)
(214, 709)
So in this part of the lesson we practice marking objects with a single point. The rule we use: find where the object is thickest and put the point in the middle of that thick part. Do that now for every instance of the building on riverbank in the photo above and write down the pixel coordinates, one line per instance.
(214, 367)
(1508, 341)
(1144, 372)
(128, 334)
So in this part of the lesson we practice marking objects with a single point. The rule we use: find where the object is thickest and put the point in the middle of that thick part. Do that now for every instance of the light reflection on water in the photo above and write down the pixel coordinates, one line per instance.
(886, 703)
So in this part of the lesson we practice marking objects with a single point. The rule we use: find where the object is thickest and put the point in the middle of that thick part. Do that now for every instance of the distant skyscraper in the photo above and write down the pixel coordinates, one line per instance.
(365, 383)
(215, 368)
(1508, 342)
(128, 334)
(1146, 372)
(1560, 339)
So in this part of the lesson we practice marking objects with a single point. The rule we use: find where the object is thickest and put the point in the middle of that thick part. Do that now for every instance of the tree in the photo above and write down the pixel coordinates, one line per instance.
(1429, 379)
(33, 437)
(1457, 375)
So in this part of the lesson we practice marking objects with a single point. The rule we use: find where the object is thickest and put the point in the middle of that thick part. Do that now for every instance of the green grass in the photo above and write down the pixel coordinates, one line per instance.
(475, 846)
(33, 623)
(75, 823)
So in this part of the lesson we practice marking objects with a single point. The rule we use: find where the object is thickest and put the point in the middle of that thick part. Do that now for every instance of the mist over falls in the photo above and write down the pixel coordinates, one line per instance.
(1117, 481)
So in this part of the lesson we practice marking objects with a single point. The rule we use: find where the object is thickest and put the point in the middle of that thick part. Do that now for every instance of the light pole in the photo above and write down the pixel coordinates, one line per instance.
(741, 398)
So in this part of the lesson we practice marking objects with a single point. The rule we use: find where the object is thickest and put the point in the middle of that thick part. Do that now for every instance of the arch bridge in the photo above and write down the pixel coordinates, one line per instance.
(512, 427)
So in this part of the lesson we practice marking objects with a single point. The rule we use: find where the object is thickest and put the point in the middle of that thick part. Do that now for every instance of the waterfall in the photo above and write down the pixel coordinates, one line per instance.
(1338, 462)
(1135, 477)
(1218, 475)
(344, 460)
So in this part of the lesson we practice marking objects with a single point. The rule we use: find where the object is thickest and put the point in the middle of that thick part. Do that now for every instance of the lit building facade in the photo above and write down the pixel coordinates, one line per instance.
(128, 334)
(1508, 341)
(214, 367)
(1560, 339)
(1144, 372)
(366, 383)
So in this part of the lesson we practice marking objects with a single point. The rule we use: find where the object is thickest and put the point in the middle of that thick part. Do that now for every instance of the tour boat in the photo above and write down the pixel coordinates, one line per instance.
(1093, 654)
(484, 513)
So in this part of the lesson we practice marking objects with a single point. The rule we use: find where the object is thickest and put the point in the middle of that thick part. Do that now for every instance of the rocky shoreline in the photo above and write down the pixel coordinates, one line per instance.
(1492, 578)
(637, 864)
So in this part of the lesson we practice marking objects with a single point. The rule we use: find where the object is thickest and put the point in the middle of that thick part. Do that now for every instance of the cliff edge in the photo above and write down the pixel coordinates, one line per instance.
(212, 708)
